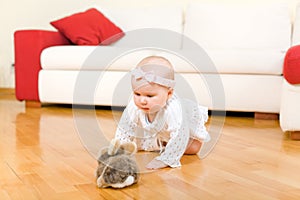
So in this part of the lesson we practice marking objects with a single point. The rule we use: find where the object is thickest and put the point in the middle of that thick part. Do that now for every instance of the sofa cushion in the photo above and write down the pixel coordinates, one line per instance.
(264, 61)
(88, 28)
(92, 57)
(238, 26)
(251, 61)
(162, 18)
(253, 93)
(132, 18)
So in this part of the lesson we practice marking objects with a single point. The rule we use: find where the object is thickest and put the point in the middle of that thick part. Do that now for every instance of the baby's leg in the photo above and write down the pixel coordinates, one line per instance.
(193, 147)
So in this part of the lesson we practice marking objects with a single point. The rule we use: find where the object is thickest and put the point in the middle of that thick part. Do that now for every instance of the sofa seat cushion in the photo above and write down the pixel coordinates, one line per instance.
(92, 58)
(113, 58)
(262, 61)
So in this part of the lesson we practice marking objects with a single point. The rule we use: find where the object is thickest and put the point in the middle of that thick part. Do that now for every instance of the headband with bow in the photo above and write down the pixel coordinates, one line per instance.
(152, 74)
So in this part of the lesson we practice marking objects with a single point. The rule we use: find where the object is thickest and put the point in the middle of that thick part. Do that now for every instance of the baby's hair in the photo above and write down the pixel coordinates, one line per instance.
(157, 60)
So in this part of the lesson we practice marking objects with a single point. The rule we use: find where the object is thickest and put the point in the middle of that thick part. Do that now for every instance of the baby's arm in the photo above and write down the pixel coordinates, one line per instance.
(156, 164)
(173, 152)
(126, 126)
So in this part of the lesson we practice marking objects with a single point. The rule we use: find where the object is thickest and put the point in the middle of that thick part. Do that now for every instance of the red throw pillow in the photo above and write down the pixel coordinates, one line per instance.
(291, 70)
(88, 28)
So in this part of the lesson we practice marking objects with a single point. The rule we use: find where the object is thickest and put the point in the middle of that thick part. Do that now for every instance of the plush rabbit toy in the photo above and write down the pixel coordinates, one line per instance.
(117, 167)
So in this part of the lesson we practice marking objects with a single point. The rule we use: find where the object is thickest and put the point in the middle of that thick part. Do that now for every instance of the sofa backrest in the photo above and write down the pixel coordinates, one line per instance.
(137, 18)
(128, 19)
(238, 26)
(296, 27)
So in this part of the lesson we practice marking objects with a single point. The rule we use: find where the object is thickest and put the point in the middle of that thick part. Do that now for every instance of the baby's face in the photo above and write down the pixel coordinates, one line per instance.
(151, 97)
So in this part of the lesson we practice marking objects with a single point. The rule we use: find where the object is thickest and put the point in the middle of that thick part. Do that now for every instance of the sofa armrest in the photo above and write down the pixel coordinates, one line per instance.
(28, 45)
(291, 68)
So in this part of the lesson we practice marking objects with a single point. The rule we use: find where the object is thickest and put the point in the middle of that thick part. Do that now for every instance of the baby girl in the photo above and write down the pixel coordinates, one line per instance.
(156, 119)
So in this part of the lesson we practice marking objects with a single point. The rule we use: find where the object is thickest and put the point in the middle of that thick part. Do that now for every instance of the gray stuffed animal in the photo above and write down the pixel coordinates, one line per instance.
(117, 167)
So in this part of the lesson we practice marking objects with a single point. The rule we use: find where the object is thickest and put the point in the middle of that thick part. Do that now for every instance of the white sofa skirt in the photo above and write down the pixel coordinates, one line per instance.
(231, 92)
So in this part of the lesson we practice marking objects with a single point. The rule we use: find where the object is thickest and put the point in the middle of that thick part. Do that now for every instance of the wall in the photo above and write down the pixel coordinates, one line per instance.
(36, 14)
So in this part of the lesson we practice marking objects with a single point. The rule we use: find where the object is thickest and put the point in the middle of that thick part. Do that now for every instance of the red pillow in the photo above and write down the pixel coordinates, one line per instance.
(88, 28)
(291, 69)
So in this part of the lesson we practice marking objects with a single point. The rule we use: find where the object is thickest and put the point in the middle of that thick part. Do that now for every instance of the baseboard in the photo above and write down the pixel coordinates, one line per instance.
(266, 116)
(7, 91)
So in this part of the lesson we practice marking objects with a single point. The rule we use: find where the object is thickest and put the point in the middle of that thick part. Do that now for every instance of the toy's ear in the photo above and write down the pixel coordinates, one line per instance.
(129, 147)
(114, 146)
(102, 151)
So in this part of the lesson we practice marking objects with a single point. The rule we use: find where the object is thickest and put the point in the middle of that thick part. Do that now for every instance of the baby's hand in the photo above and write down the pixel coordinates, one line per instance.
(156, 164)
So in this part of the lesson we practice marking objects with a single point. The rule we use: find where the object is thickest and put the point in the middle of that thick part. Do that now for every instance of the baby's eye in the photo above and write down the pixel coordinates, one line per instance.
(137, 94)
(150, 96)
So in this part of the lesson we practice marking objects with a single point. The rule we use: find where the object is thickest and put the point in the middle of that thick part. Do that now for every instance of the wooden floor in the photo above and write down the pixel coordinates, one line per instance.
(45, 155)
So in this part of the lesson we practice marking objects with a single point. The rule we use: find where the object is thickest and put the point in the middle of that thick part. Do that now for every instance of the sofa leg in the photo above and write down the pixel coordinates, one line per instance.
(267, 116)
(295, 135)
(33, 104)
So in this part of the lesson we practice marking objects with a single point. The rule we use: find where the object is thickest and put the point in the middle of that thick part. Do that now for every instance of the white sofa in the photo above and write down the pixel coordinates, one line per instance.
(241, 49)
(290, 96)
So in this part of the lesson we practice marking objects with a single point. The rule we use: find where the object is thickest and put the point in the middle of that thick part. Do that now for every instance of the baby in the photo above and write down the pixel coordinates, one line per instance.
(156, 119)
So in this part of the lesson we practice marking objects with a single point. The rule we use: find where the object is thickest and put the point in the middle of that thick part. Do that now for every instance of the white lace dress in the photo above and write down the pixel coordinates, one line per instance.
(175, 124)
